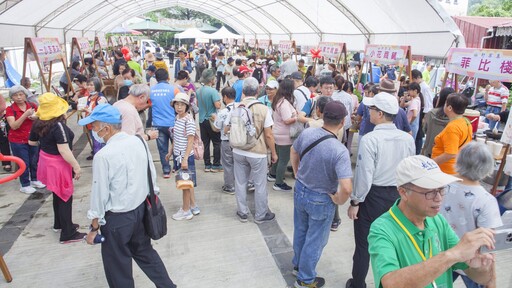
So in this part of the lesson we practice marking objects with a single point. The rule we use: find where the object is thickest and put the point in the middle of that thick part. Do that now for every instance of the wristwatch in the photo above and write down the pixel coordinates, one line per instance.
(353, 204)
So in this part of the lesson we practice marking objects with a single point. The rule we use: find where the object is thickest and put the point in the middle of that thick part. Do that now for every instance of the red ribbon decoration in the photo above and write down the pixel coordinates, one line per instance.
(16, 174)
(315, 53)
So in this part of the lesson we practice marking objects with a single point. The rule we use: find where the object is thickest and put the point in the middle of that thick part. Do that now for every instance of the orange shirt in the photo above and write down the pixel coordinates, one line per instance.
(456, 134)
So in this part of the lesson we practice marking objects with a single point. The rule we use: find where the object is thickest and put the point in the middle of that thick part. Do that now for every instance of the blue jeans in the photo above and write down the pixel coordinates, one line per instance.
(312, 218)
(162, 142)
(467, 281)
(494, 110)
(29, 155)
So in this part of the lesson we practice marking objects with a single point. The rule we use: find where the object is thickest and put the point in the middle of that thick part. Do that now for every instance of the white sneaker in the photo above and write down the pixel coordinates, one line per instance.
(28, 190)
(37, 184)
(183, 215)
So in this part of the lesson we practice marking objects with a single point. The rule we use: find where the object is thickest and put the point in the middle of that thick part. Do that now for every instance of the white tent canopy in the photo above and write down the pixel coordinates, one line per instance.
(223, 33)
(192, 33)
(423, 24)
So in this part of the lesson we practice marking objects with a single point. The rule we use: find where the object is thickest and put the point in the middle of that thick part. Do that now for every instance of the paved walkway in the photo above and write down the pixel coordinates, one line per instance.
(212, 250)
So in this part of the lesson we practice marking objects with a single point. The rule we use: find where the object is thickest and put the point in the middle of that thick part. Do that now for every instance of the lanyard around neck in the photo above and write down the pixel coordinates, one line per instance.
(414, 241)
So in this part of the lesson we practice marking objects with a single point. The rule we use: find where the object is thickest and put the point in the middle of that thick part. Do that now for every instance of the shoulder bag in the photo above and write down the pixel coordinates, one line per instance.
(155, 220)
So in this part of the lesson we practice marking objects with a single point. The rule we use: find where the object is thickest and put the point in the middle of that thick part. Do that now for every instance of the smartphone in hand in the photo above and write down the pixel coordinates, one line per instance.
(503, 240)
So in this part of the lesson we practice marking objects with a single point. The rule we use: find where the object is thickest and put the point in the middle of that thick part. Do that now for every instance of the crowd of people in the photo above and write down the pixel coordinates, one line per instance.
(262, 118)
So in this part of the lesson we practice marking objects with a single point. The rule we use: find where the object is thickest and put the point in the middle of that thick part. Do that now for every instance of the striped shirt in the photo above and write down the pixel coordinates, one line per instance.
(183, 127)
(497, 97)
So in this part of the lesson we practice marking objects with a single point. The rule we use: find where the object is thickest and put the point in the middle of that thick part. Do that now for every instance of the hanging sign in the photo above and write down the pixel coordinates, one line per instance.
(490, 64)
(386, 54)
(252, 43)
(330, 49)
(286, 46)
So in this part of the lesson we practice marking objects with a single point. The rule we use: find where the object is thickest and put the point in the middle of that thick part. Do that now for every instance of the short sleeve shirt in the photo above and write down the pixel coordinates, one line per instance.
(325, 164)
(21, 134)
(284, 111)
(415, 104)
(131, 124)
(391, 249)
(456, 134)
(366, 125)
(206, 97)
(59, 133)
(183, 128)
(469, 207)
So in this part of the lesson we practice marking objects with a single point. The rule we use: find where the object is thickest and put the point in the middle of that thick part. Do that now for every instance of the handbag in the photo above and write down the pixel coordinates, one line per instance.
(198, 147)
(155, 220)
(212, 122)
(295, 129)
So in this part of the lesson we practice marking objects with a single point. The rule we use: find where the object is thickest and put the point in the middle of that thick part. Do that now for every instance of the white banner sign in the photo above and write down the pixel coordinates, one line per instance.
(386, 54)
(330, 49)
(489, 64)
(286, 46)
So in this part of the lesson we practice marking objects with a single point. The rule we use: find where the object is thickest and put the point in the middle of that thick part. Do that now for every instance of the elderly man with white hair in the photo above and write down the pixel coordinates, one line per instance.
(251, 164)
(288, 67)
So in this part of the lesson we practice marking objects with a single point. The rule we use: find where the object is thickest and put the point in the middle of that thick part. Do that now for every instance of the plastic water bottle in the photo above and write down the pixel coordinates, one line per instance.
(99, 239)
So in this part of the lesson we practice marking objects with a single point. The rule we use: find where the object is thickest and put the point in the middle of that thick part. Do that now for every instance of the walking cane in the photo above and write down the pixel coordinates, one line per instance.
(21, 164)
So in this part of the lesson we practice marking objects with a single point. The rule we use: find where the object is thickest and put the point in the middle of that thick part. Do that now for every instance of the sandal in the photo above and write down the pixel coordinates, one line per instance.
(7, 168)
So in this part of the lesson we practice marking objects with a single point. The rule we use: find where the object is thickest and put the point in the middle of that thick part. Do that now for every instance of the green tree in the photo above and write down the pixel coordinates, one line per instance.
(491, 8)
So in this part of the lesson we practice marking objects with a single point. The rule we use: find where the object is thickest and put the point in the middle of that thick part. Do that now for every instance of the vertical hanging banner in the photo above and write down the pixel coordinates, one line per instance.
(387, 54)
(490, 64)
(286, 46)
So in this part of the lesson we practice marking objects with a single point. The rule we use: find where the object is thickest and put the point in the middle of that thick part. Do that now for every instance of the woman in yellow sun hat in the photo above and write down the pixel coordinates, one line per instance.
(56, 162)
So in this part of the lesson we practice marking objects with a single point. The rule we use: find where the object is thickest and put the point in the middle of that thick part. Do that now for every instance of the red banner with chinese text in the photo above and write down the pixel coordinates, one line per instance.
(490, 64)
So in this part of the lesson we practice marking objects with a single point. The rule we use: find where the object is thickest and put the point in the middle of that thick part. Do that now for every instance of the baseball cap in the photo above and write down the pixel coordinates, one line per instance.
(250, 61)
(384, 101)
(296, 75)
(273, 84)
(335, 110)
(244, 69)
(271, 62)
(104, 113)
(151, 68)
(422, 172)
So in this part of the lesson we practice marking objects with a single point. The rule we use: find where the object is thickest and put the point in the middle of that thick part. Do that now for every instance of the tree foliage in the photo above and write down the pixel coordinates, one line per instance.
(491, 8)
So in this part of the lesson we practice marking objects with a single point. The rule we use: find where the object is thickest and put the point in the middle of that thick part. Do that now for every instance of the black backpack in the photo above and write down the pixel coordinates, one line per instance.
(258, 74)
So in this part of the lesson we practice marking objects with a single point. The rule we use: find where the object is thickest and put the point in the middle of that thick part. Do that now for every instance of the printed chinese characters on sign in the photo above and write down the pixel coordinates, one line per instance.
(487, 64)
(47, 49)
(386, 54)
(330, 49)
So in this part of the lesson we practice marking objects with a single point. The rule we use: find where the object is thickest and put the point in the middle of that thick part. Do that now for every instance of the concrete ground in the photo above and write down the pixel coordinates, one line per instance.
(212, 250)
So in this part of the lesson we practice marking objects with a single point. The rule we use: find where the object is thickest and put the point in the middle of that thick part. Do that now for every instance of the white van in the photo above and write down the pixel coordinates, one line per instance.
(147, 44)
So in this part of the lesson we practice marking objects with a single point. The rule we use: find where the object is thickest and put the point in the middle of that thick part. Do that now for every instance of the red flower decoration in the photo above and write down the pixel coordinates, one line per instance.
(315, 53)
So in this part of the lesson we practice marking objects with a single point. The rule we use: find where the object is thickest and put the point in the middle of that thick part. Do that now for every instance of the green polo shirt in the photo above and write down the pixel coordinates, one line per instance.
(391, 249)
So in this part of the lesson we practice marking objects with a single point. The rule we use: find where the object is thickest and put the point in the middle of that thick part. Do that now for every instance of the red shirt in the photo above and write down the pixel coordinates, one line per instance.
(21, 134)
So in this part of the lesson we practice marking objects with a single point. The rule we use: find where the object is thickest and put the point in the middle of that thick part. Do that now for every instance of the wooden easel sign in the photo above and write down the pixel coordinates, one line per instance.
(80, 47)
(263, 44)
(46, 52)
(334, 50)
(389, 55)
(288, 46)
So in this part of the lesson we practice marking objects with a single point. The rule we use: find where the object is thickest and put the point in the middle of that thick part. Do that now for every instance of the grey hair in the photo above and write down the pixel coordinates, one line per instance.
(16, 89)
(116, 127)
(97, 83)
(474, 161)
(273, 68)
(250, 87)
(139, 89)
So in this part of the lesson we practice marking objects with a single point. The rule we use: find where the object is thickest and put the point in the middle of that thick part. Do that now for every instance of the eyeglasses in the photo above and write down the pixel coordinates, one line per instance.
(268, 88)
(431, 194)
(374, 108)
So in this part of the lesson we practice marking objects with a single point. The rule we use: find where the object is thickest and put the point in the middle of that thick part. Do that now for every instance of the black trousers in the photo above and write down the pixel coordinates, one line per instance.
(62, 217)
(126, 239)
(220, 77)
(207, 135)
(377, 202)
(4, 147)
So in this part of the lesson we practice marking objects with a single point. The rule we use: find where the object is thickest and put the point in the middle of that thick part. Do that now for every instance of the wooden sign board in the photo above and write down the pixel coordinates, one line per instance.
(264, 43)
(240, 42)
(286, 46)
(252, 43)
(334, 50)
(46, 52)
(101, 46)
(389, 55)
(80, 47)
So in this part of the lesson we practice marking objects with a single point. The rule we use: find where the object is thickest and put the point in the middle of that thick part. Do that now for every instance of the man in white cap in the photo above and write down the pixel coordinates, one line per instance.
(411, 245)
(374, 191)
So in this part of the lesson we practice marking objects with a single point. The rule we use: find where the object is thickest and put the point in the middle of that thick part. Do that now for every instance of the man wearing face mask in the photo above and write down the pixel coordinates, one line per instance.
(137, 100)
(117, 201)
(163, 115)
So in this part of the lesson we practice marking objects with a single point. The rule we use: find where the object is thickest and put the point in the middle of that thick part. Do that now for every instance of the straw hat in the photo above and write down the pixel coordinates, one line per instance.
(149, 57)
(181, 97)
(51, 106)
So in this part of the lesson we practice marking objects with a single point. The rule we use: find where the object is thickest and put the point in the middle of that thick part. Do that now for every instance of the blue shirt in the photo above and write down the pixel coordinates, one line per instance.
(366, 125)
(206, 98)
(161, 96)
(177, 67)
(325, 164)
(238, 86)
(401, 121)
(264, 99)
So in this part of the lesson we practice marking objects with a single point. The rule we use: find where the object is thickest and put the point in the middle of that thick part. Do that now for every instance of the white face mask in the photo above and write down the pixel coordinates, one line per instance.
(97, 137)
